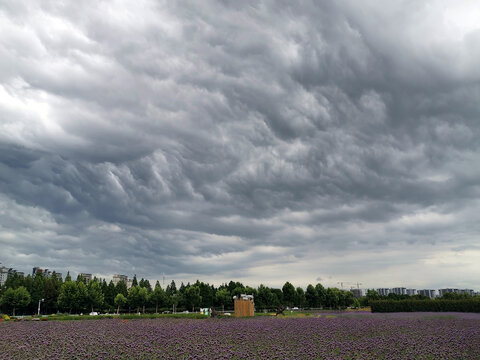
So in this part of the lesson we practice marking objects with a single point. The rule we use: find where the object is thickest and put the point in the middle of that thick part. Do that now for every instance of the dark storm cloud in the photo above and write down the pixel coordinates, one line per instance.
(221, 138)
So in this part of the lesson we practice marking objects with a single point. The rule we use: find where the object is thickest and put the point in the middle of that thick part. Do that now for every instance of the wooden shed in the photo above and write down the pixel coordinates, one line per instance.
(244, 305)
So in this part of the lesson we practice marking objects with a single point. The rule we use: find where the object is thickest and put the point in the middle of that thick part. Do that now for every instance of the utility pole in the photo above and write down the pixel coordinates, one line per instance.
(39, 301)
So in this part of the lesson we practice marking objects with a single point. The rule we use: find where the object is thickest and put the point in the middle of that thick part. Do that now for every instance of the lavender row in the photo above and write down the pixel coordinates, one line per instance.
(363, 337)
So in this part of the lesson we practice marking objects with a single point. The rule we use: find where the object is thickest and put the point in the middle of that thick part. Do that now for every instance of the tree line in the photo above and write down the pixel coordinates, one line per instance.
(21, 295)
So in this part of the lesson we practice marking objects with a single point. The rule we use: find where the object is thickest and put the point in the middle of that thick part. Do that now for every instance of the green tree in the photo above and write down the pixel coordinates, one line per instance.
(8, 299)
(104, 286)
(311, 296)
(321, 295)
(16, 298)
(158, 296)
(277, 298)
(331, 298)
(120, 301)
(206, 293)
(180, 295)
(52, 287)
(171, 289)
(300, 297)
(371, 295)
(455, 296)
(143, 297)
(14, 281)
(288, 292)
(193, 297)
(238, 291)
(251, 291)
(345, 298)
(356, 303)
(95, 297)
(68, 277)
(232, 285)
(174, 301)
(132, 298)
(109, 294)
(67, 299)
(265, 297)
(28, 283)
(38, 291)
(121, 288)
(82, 296)
(145, 284)
(137, 297)
(223, 298)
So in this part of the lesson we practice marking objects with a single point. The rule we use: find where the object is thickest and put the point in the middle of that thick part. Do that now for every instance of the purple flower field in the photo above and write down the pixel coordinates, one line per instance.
(352, 336)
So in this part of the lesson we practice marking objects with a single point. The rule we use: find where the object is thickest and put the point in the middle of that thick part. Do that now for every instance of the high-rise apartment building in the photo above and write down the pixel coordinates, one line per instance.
(3, 274)
(427, 292)
(384, 291)
(442, 292)
(399, 291)
(357, 293)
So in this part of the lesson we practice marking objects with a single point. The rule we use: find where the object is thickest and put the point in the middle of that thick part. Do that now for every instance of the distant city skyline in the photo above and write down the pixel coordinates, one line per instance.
(326, 141)
(399, 290)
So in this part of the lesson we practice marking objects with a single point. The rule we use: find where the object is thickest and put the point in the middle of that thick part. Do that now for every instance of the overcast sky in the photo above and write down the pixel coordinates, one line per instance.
(330, 141)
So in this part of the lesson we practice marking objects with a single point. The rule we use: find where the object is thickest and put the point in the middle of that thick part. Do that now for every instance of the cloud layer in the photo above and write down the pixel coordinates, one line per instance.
(260, 142)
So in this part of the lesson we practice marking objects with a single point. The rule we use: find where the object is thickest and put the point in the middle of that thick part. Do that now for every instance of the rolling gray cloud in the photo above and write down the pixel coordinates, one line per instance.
(258, 141)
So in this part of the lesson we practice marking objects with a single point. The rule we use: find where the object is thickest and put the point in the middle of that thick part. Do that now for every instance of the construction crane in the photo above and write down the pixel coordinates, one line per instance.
(349, 283)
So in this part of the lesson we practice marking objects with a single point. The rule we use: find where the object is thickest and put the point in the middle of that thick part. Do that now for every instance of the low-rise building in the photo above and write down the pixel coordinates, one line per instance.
(129, 283)
(86, 276)
(49, 273)
(117, 278)
(36, 270)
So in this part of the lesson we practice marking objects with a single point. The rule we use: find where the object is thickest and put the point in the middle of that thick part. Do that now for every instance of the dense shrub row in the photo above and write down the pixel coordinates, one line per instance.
(438, 305)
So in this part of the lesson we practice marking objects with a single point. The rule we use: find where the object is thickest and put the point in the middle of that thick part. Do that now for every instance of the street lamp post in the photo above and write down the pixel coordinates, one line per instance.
(39, 301)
